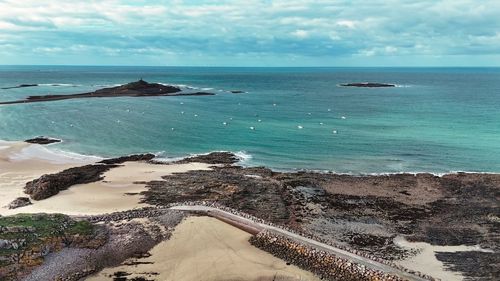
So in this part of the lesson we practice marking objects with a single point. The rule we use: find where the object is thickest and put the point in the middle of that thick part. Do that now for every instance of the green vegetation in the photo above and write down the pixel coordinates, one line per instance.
(24, 232)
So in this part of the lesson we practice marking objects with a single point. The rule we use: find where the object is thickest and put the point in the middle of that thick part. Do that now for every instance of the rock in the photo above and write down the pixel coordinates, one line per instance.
(19, 202)
(49, 185)
(237, 92)
(368, 85)
(5, 244)
(212, 158)
(135, 157)
(42, 140)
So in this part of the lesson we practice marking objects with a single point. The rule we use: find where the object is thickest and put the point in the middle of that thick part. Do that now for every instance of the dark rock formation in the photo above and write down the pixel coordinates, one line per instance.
(473, 265)
(364, 212)
(42, 140)
(212, 158)
(49, 185)
(19, 202)
(20, 86)
(368, 85)
(136, 157)
(140, 88)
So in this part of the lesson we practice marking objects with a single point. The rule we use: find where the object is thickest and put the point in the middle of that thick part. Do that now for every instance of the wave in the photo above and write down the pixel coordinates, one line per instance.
(242, 156)
(106, 85)
(20, 86)
(52, 155)
(60, 85)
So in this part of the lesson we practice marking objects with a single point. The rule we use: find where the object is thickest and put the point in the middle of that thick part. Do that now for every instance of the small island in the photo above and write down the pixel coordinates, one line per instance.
(367, 85)
(42, 140)
(20, 86)
(139, 88)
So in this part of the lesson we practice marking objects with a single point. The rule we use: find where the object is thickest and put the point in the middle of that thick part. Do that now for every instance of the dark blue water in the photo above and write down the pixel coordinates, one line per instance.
(436, 120)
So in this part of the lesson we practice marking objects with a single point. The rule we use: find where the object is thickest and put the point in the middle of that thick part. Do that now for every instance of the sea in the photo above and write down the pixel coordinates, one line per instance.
(435, 120)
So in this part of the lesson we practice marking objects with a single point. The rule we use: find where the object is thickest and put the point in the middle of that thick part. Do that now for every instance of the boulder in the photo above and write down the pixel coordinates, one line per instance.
(19, 202)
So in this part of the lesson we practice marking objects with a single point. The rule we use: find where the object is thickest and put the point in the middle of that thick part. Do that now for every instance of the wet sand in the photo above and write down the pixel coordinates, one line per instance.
(22, 162)
(117, 192)
(204, 248)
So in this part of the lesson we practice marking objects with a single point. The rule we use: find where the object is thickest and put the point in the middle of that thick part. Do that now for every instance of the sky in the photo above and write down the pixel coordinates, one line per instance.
(251, 32)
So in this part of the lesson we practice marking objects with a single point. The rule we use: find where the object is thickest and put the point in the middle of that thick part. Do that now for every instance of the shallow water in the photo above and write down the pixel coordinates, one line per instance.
(437, 119)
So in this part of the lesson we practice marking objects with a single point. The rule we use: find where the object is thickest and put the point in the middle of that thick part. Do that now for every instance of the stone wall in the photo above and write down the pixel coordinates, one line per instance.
(321, 263)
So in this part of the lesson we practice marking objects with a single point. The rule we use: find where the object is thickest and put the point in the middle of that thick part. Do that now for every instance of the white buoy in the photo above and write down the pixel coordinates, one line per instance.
(343, 117)
(172, 129)
(196, 115)
(329, 109)
(309, 113)
(300, 127)
(182, 112)
(182, 103)
(224, 123)
(321, 123)
(274, 104)
(334, 131)
(230, 118)
(259, 120)
(252, 128)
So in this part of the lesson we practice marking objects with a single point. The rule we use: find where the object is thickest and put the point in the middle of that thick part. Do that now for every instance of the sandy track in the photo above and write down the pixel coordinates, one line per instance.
(204, 248)
(307, 241)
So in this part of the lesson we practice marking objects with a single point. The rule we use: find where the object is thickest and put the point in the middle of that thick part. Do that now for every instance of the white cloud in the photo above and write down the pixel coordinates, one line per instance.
(211, 28)
(300, 33)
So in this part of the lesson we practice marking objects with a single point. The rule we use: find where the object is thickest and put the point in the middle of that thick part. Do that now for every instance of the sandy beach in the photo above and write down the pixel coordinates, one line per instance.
(118, 191)
(204, 248)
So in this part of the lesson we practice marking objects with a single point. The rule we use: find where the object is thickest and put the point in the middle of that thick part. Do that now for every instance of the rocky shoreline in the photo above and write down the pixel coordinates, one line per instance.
(363, 214)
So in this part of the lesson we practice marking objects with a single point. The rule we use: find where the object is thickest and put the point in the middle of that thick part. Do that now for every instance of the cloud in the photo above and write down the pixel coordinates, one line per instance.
(296, 32)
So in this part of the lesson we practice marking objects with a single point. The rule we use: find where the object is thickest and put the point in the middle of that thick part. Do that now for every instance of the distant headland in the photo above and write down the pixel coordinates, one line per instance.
(368, 85)
(139, 88)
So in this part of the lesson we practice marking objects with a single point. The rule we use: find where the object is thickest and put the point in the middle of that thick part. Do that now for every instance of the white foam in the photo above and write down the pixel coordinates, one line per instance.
(53, 156)
(243, 156)
(60, 85)
(253, 176)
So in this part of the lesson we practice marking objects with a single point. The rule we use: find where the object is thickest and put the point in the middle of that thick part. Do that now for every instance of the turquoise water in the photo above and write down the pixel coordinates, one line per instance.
(436, 120)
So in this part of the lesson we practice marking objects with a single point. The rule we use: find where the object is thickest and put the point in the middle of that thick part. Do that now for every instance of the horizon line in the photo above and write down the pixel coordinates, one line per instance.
(232, 66)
